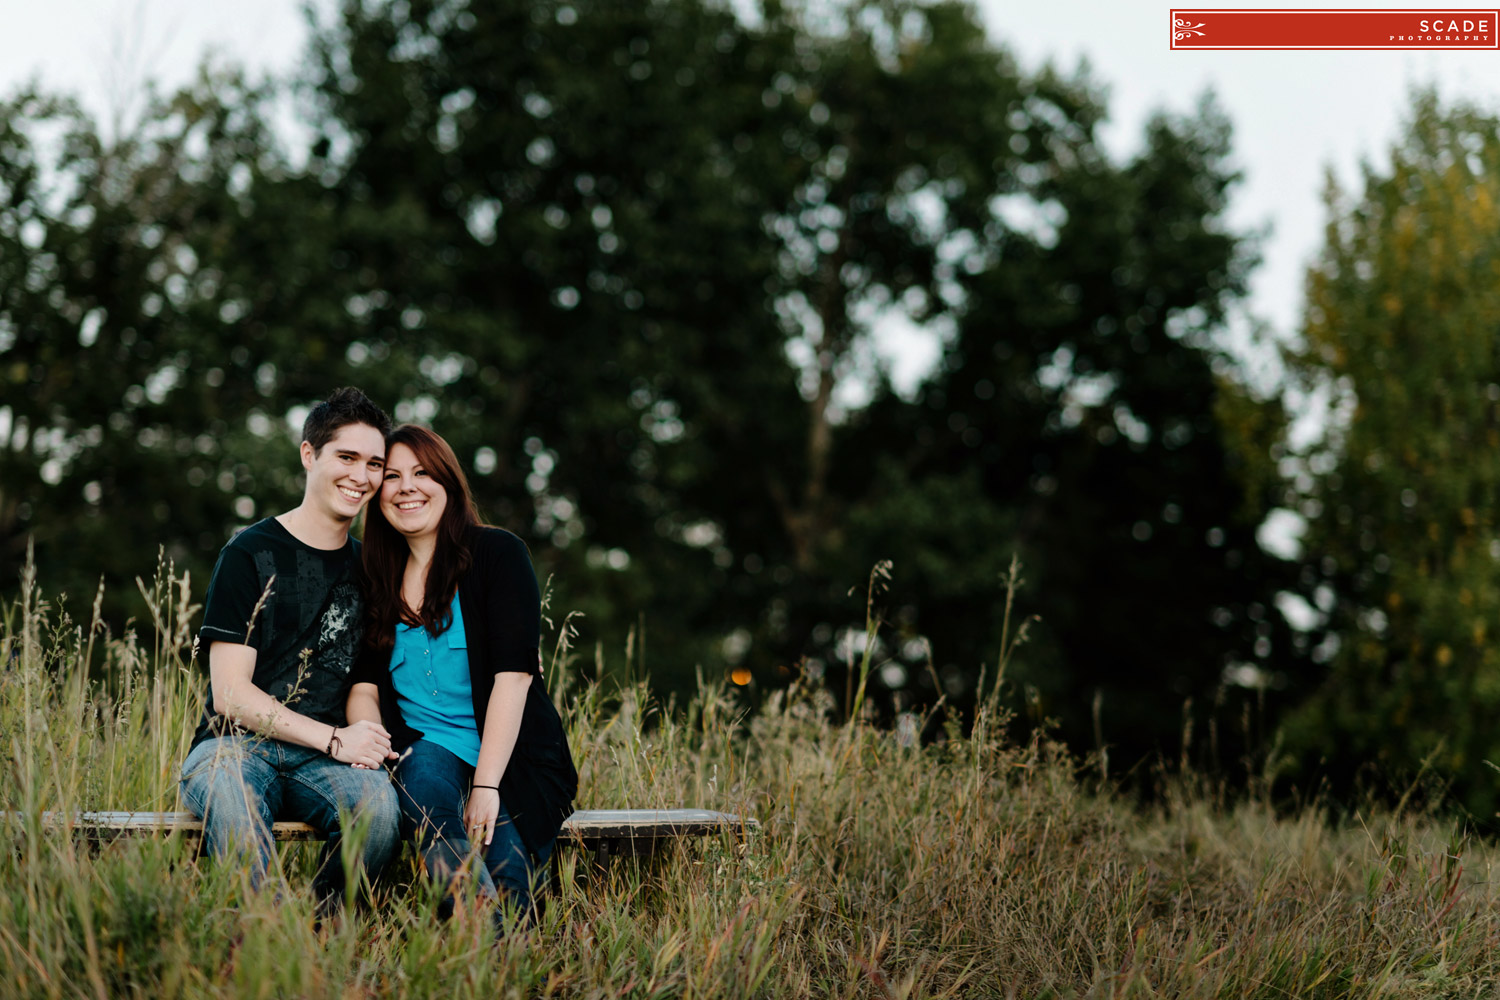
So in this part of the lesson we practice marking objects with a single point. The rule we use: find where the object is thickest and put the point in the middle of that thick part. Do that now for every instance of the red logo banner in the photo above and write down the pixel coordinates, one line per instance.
(1334, 29)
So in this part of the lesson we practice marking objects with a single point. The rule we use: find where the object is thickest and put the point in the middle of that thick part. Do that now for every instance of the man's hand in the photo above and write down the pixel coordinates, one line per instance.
(363, 744)
(481, 814)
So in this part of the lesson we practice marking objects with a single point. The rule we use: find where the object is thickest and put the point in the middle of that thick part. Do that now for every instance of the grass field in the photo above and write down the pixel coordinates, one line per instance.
(971, 868)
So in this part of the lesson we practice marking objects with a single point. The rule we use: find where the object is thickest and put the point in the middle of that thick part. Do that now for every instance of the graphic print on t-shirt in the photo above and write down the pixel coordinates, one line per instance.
(337, 636)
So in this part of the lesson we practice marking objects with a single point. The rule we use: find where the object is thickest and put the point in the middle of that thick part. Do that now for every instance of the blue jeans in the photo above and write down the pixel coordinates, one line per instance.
(433, 785)
(240, 784)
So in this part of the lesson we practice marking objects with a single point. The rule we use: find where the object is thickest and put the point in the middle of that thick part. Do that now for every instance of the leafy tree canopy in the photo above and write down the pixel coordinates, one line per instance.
(627, 257)
(1402, 534)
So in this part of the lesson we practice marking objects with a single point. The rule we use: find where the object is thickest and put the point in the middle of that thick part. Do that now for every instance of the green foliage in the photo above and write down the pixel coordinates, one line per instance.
(1400, 499)
(1091, 423)
(131, 415)
(628, 258)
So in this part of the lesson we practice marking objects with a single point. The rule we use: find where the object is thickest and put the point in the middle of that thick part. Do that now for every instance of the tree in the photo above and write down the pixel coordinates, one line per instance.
(684, 203)
(1402, 536)
(127, 426)
(555, 211)
(628, 258)
(1085, 408)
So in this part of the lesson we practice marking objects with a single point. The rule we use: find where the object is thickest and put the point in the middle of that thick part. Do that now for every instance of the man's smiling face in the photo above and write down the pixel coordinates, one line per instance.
(345, 473)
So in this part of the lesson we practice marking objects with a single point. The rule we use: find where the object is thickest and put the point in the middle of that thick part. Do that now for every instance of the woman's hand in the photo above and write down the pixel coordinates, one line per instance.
(481, 813)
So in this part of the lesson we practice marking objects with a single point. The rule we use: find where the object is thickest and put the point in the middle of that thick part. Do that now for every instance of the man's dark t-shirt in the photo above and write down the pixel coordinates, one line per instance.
(313, 605)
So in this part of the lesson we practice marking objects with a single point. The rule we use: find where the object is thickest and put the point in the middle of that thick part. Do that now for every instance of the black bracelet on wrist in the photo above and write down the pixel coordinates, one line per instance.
(334, 741)
(493, 788)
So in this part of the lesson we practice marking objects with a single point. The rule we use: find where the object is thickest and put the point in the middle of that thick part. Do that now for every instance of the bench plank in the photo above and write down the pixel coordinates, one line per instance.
(591, 827)
(654, 823)
(113, 824)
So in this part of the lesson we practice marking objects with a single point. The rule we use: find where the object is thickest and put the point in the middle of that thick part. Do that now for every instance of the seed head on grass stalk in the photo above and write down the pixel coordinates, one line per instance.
(1013, 583)
(269, 723)
(33, 608)
(260, 602)
(562, 656)
(880, 576)
(96, 625)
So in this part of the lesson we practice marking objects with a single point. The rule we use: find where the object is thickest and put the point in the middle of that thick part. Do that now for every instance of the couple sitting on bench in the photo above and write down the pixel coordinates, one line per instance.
(395, 686)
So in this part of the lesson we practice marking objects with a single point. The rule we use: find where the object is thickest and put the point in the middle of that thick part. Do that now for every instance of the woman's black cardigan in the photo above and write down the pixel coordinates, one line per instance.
(502, 618)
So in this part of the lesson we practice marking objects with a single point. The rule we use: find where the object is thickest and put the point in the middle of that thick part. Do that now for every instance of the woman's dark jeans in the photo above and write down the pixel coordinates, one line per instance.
(432, 785)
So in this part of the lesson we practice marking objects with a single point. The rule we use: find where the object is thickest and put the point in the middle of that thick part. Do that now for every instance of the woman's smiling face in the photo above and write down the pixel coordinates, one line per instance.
(411, 500)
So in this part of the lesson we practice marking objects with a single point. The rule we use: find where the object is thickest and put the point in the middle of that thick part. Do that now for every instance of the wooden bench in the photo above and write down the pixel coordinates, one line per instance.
(606, 833)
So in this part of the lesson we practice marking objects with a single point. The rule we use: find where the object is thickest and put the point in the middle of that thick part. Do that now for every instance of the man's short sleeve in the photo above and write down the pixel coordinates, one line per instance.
(233, 592)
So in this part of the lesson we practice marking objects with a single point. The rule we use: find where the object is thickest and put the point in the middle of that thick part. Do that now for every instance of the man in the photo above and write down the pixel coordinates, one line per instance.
(282, 624)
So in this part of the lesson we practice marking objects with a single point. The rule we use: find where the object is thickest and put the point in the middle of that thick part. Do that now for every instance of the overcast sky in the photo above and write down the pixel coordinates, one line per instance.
(1296, 113)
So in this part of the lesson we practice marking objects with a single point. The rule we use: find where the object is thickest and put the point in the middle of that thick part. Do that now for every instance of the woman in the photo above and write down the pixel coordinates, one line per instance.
(452, 667)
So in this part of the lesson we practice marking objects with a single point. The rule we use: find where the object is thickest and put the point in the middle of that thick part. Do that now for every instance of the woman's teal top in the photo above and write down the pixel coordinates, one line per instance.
(431, 677)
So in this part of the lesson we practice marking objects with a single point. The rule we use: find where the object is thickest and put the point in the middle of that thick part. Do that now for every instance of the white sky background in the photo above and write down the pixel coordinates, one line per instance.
(1296, 114)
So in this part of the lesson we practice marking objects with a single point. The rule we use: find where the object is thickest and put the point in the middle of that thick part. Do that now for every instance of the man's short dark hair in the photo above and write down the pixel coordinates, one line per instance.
(343, 407)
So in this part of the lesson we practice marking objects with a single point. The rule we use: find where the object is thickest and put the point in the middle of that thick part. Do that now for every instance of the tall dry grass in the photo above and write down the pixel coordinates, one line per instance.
(971, 868)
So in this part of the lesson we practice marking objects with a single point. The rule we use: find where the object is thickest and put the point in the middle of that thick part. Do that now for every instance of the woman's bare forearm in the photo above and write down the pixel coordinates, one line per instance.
(502, 724)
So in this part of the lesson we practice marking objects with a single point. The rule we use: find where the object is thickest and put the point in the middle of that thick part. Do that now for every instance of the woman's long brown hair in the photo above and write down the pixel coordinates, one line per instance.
(386, 551)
